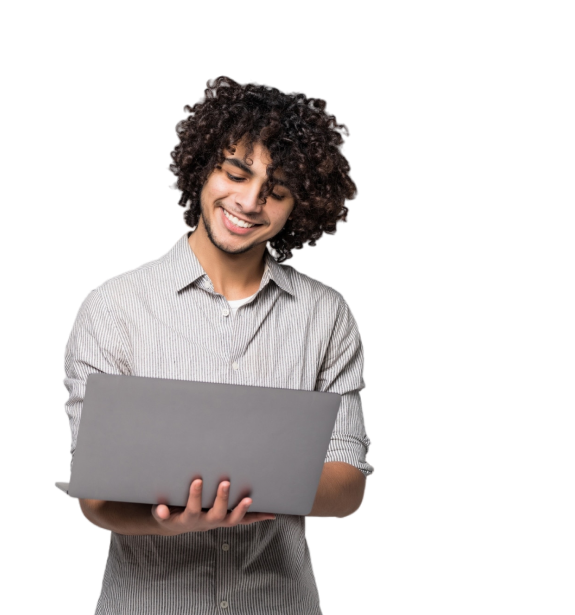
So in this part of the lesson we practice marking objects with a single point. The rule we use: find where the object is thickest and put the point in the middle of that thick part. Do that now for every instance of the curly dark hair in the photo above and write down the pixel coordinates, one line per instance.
(302, 140)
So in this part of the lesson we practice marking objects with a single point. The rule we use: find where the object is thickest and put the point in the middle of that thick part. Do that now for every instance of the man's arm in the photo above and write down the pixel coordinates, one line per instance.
(342, 482)
(143, 519)
(340, 490)
(121, 517)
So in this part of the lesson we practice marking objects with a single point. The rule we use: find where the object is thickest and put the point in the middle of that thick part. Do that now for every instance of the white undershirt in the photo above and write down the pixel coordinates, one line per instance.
(234, 305)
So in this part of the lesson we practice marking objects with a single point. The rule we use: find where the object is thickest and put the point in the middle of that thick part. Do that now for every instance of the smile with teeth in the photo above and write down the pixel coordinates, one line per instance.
(237, 221)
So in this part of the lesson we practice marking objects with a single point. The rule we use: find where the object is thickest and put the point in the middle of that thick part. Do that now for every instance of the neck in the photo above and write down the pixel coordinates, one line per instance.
(235, 276)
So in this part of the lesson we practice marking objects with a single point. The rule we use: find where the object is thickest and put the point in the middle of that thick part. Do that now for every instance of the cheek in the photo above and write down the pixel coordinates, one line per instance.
(280, 216)
(216, 188)
(220, 184)
(287, 210)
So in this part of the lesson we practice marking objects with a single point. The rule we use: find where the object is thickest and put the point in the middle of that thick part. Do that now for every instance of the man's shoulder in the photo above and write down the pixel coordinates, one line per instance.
(311, 290)
(150, 276)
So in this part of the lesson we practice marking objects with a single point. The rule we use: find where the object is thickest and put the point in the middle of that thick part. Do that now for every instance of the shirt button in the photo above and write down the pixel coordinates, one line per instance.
(226, 312)
(236, 366)
(224, 604)
(225, 547)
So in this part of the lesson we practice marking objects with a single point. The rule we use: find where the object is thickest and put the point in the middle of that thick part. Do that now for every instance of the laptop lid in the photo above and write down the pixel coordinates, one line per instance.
(145, 439)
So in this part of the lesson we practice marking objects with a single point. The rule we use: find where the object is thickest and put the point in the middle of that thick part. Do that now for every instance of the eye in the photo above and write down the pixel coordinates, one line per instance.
(235, 178)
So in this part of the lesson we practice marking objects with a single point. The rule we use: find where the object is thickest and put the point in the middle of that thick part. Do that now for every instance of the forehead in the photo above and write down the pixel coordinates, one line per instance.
(255, 157)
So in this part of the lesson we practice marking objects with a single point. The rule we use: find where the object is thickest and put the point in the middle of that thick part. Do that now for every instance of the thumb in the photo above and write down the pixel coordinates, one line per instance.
(161, 512)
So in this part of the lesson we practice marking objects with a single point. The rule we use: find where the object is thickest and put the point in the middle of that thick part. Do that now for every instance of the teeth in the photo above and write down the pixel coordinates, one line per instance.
(237, 221)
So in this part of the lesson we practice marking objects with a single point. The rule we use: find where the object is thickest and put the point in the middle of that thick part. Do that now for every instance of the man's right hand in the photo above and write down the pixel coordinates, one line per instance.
(193, 519)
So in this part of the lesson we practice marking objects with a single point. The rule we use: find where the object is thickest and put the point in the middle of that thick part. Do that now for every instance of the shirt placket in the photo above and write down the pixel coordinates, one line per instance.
(221, 316)
(225, 570)
(246, 322)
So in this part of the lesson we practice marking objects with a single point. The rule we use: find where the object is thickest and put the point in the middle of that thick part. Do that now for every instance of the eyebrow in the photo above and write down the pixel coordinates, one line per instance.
(236, 162)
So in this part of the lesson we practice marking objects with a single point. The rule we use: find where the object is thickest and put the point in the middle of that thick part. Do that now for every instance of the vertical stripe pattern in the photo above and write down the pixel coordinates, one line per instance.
(164, 320)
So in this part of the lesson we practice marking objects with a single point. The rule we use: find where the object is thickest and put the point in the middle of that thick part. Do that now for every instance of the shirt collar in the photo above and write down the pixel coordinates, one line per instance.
(186, 268)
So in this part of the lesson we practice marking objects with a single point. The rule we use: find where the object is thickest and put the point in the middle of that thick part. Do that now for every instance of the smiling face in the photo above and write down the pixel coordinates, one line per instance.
(233, 213)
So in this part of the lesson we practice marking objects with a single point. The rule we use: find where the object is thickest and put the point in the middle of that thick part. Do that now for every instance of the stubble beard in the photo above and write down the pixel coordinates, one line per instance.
(218, 245)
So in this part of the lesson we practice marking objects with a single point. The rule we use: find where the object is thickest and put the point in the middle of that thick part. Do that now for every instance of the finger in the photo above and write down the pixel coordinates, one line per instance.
(219, 510)
(161, 512)
(194, 503)
(239, 512)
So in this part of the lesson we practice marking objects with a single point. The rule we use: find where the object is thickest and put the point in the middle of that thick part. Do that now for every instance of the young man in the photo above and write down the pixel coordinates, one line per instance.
(257, 167)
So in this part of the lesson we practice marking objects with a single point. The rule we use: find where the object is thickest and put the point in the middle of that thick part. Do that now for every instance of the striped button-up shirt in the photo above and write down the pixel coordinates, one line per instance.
(164, 320)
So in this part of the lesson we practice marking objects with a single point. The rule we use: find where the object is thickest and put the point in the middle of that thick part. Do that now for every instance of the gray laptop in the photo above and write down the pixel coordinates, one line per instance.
(145, 439)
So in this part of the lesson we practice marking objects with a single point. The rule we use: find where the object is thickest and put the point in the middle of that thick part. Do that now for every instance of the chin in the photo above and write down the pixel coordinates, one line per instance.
(230, 247)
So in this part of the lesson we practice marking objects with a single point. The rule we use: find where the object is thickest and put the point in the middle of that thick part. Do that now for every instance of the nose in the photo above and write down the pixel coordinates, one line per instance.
(249, 199)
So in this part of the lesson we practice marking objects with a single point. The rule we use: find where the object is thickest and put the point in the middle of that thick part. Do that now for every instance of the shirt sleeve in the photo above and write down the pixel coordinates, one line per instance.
(342, 372)
(94, 346)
